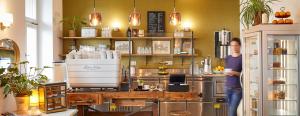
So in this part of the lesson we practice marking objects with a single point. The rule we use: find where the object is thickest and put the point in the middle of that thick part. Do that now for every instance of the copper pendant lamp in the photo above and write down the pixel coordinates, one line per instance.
(134, 17)
(175, 17)
(95, 18)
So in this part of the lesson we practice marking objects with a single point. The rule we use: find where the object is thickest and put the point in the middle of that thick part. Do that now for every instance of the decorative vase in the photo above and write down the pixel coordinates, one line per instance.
(264, 18)
(22, 104)
(8, 103)
(257, 19)
(72, 33)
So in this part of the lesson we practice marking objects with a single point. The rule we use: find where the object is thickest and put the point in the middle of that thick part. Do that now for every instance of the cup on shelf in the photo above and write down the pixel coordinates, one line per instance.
(146, 87)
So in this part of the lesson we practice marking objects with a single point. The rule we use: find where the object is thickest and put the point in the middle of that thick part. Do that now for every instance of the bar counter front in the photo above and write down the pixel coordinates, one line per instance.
(203, 95)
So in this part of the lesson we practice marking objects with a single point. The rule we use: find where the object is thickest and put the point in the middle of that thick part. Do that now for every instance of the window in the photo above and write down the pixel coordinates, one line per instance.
(30, 9)
(31, 54)
(31, 32)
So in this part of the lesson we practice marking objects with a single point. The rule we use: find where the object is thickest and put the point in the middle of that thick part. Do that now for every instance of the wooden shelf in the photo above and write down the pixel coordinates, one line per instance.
(6, 49)
(171, 55)
(158, 55)
(124, 38)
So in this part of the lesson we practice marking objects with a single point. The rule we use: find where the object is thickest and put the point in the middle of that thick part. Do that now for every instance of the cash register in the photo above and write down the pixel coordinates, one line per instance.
(177, 83)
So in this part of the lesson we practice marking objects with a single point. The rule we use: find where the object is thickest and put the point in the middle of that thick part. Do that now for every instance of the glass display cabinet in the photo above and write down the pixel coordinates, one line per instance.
(271, 70)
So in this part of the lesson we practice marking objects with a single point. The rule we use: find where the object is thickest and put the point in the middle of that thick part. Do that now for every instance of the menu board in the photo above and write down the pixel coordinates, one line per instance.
(156, 21)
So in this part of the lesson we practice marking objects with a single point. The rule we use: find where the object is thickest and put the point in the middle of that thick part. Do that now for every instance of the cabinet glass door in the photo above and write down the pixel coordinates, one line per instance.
(252, 75)
(281, 79)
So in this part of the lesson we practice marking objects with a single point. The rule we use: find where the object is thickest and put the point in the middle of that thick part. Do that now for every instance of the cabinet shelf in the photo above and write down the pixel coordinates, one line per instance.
(281, 68)
(157, 55)
(58, 96)
(273, 85)
(254, 97)
(170, 55)
(282, 54)
(123, 38)
(282, 100)
(254, 109)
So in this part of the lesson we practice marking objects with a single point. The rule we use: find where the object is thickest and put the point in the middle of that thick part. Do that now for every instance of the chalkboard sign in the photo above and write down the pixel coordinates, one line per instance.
(156, 21)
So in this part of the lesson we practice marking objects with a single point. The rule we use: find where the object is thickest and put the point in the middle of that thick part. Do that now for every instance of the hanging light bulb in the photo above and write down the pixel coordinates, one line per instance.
(175, 17)
(134, 17)
(95, 17)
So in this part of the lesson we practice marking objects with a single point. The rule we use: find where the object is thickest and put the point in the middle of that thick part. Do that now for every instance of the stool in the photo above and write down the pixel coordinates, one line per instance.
(180, 113)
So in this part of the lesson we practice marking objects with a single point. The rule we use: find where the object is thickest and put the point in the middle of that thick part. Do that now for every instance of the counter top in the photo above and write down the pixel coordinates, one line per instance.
(214, 75)
(187, 76)
(68, 112)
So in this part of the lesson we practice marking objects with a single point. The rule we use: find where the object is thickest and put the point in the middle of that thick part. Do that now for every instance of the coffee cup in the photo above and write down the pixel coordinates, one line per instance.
(146, 87)
(227, 70)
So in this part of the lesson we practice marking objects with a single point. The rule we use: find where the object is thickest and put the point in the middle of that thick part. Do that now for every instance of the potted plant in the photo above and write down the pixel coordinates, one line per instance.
(140, 84)
(252, 10)
(20, 83)
(73, 24)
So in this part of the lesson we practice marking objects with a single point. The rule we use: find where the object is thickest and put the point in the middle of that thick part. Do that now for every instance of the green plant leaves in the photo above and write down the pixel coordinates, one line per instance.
(6, 90)
(21, 84)
(252, 7)
(74, 23)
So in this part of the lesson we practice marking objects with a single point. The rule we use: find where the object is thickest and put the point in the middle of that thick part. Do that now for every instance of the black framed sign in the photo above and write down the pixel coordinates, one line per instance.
(156, 21)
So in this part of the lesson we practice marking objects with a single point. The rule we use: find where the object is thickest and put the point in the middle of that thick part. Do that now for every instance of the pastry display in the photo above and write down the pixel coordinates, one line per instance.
(254, 103)
(276, 95)
(276, 64)
(274, 82)
(283, 17)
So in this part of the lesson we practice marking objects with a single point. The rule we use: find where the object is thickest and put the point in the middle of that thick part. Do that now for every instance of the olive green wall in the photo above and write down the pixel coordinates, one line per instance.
(206, 16)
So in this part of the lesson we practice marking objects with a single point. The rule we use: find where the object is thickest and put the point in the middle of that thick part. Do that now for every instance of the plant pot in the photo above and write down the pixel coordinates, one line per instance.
(72, 33)
(257, 19)
(7, 104)
(22, 104)
(264, 18)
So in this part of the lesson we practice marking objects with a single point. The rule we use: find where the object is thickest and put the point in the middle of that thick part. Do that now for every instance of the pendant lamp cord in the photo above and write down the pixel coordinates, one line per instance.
(94, 4)
(133, 3)
(174, 4)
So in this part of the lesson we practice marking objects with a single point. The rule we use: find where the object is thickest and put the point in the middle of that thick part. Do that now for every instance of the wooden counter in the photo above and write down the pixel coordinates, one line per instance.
(81, 99)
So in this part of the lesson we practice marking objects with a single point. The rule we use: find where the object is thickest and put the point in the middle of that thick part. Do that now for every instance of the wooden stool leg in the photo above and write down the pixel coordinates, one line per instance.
(82, 110)
(155, 109)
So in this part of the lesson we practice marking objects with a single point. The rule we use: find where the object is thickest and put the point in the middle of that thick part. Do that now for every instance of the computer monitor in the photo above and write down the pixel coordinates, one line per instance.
(177, 78)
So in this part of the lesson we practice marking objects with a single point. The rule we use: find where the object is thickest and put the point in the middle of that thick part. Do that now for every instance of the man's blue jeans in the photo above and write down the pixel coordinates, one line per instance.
(234, 96)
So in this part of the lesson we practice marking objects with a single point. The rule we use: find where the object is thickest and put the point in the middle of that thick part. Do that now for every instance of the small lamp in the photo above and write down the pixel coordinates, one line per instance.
(6, 20)
(116, 26)
(187, 26)
(34, 103)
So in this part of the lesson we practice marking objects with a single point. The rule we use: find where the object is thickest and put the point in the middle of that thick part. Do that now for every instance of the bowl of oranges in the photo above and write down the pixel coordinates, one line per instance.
(218, 70)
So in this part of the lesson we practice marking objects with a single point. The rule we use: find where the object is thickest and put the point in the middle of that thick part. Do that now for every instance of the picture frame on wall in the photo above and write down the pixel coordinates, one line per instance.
(186, 46)
(161, 47)
(123, 47)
